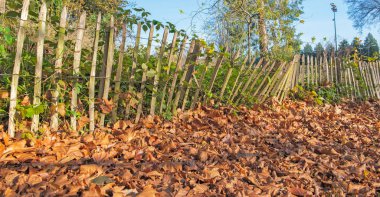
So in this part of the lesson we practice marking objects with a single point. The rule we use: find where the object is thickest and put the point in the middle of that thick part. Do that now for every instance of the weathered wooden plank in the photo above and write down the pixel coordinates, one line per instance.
(58, 68)
(40, 59)
(158, 72)
(91, 99)
(16, 67)
(176, 73)
(119, 72)
(76, 65)
(107, 81)
(140, 95)
(182, 80)
(170, 61)
(133, 70)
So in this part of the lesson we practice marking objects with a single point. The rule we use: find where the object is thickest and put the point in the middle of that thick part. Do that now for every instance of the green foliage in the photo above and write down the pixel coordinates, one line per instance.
(370, 47)
(308, 49)
(343, 45)
(328, 94)
(319, 49)
(29, 111)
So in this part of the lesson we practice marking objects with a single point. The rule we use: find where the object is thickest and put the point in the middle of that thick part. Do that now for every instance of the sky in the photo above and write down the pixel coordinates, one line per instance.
(317, 16)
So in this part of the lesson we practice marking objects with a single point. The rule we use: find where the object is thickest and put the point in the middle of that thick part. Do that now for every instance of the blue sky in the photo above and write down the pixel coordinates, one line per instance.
(317, 15)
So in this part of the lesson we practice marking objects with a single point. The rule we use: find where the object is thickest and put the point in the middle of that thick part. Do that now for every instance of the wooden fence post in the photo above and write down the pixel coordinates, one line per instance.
(189, 74)
(264, 79)
(107, 81)
(263, 69)
(200, 82)
(16, 67)
(102, 74)
(170, 61)
(91, 88)
(321, 65)
(176, 73)
(243, 64)
(119, 72)
(158, 72)
(242, 82)
(312, 65)
(58, 68)
(76, 65)
(251, 77)
(178, 95)
(229, 73)
(366, 89)
(141, 94)
(3, 6)
(216, 69)
(133, 70)
(40, 59)
(270, 85)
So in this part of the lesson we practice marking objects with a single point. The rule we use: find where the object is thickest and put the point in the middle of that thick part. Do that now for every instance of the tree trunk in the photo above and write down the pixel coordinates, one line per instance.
(40, 59)
(16, 67)
(262, 27)
(91, 88)
(76, 65)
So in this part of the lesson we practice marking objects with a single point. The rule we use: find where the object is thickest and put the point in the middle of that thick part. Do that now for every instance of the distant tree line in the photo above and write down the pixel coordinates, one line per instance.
(369, 49)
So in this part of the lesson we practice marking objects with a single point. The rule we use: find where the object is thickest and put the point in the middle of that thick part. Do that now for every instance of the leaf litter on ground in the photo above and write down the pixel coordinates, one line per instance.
(293, 149)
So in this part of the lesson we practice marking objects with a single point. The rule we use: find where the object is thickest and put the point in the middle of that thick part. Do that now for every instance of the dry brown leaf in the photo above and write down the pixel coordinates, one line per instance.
(61, 109)
(154, 173)
(200, 188)
(9, 193)
(25, 101)
(106, 106)
(90, 169)
(4, 94)
(299, 191)
(148, 191)
(82, 122)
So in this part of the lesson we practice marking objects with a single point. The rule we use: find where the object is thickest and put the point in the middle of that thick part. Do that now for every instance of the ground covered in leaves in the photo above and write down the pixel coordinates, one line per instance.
(288, 150)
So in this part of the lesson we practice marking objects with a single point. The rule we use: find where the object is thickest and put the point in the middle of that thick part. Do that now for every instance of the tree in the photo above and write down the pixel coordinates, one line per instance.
(343, 45)
(370, 46)
(308, 49)
(330, 49)
(344, 48)
(319, 49)
(364, 13)
(356, 44)
(266, 23)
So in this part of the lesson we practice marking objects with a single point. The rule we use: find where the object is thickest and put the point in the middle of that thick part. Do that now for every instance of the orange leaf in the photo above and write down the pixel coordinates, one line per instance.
(4, 94)
(148, 191)
(83, 121)
(106, 106)
(90, 169)
(299, 191)
(25, 101)
(61, 109)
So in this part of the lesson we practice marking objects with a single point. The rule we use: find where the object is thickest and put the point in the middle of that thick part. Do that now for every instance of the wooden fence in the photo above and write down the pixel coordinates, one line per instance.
(357, 80)
(180, 76)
